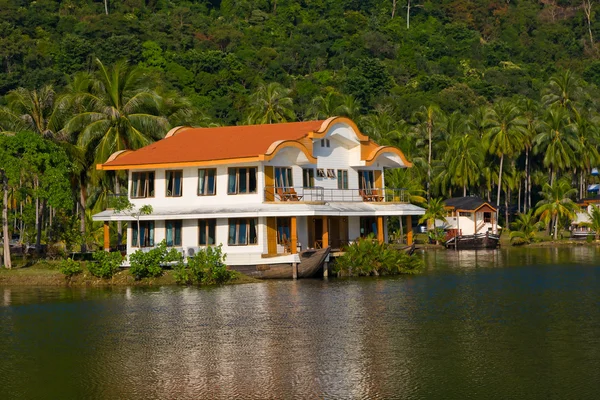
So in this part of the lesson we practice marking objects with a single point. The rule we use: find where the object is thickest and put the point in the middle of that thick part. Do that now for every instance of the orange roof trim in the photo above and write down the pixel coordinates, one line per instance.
(186, 146)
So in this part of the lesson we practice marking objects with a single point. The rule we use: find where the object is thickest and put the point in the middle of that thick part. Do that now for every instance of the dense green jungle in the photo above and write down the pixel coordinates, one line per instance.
(496, 98)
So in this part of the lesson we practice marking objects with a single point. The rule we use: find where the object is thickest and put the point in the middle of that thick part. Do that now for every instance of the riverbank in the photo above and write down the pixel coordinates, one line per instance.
(46, 273)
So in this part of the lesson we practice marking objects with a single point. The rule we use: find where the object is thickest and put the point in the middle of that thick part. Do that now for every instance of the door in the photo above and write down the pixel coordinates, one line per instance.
(269, 183)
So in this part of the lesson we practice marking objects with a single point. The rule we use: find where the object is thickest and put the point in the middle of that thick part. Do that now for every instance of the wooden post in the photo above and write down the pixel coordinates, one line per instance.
(380, 237)
(325, 237)
(409, 230)
(294, 271)
(106, 237)
(294, 236)
(475, 222)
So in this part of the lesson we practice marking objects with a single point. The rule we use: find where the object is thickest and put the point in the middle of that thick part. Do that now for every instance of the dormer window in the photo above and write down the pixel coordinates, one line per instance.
(142, 184)
(174, 180)
(325, 143)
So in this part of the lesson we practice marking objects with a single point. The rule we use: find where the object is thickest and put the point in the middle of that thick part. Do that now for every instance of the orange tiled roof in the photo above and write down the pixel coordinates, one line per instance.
(189, 145)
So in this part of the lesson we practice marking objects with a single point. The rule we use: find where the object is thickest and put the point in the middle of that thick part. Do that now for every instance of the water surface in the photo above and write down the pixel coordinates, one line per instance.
(515, 324)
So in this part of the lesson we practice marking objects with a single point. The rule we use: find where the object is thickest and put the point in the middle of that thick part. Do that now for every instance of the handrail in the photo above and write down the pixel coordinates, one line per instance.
(320, 194)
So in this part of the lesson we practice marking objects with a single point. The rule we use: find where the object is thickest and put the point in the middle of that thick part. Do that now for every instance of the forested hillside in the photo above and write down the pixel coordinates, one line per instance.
(490, 97)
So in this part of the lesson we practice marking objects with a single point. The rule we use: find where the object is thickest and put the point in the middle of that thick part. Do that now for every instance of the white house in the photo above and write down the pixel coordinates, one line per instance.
(580, 228)
(470, 216)
(265, 192)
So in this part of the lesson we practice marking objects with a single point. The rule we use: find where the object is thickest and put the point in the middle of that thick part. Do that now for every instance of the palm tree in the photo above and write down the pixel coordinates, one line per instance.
(428, 118)
(271, 104)
(465, 156)
(384, 126)
(524, 229)
(479, 121)
(594, 224)
(563, 89)
(350, 107)
(557, 141)
(586, 154)
(435, 211)
(530, 111)
(116, 111)
(34, 110)
(556, 203)
(403, 178)
(505, 135)
(323, 107)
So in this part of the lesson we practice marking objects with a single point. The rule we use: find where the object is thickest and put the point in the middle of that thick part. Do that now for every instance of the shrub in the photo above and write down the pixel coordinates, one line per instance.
(69, 268)
(150, 263)
(207, 266)
(369, 257)
(105, 264)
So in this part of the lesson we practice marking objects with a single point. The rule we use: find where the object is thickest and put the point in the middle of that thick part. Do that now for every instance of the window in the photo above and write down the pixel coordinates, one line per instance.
(174, 181)
(142, 184)
(283, 177)
(207, 232)
(173, 233)
(487, 217)
(342, 179)
(331, 173)
(242, 231)
(207, 183)
(283, 230)
(320, 172)
(368, 226)
(241, 180)
(325, 143)
(464, 214)
(366, 180)
(146, 234)
(308, 177)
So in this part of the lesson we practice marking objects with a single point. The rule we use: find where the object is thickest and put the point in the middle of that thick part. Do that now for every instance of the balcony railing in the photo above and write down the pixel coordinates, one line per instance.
(320, 194)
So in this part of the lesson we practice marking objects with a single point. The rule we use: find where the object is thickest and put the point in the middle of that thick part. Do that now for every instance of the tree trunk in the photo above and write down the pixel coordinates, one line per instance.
(555, 226)
(6, 255)
(464, 190)
(38, 239)
(82, 200)
(119, 226)
(394, 8)
(525, 191)
(506, 197)
(408, 15)
(500, 181)
(106, 6)
(587, 9)
(519, 199)
(429, 132)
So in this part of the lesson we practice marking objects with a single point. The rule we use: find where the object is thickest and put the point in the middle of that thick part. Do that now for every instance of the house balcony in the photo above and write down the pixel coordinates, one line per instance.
(321, 195)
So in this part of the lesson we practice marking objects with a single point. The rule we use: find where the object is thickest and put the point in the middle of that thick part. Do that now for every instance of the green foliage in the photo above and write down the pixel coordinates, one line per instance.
(206, 267)
(367, 256)
(525, 229)
(69, 268)
(149, 264)
(105, 264)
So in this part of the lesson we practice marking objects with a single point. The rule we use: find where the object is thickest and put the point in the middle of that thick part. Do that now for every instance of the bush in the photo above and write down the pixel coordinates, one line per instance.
(105, 264)
(150, 264)
(207, 266)
(69, 268)
(369, 257)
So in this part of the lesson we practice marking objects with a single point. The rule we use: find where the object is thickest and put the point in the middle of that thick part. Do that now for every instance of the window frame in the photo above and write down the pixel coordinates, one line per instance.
(206, 178)
(134, 227)
(287, 174)
(207, 230)
(151, 193)
(371, 174)
(283, 225)
(237, 223)
(308, 174)
(237, 180)
(343, 182)
(174, 234)
(174, 177)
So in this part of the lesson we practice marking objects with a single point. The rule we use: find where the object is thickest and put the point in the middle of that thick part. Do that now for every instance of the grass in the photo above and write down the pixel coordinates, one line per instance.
(46, 273)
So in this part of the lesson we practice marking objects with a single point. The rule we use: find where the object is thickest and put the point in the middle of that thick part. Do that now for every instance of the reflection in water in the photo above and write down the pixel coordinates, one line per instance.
(493, 324)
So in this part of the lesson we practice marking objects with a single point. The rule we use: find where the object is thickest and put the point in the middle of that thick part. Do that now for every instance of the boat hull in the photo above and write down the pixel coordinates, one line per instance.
(311, 262)
(473, 242)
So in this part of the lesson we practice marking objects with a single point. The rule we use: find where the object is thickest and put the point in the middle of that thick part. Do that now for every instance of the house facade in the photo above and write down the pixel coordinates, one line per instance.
(470, 216)
(265, 192)
(580, 226)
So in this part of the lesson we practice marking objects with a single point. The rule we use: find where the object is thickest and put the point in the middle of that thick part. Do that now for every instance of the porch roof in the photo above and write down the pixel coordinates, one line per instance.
(269, 210)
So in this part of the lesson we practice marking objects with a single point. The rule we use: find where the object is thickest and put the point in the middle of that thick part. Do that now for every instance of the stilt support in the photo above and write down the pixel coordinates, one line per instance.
(294, 271)
(325, 269)
(106, 237)
(409, 230)
(380, 233)
(294, 236)
(325, 237)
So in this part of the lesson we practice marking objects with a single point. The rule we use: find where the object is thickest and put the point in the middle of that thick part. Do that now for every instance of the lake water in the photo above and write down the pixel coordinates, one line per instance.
(508, 324)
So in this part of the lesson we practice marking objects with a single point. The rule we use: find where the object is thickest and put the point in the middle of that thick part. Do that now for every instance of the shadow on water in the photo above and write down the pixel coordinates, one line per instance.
(516, 323)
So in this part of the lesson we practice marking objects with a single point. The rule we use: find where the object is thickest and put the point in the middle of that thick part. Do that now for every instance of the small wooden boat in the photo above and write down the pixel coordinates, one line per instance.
(310, 264)
(473, 242)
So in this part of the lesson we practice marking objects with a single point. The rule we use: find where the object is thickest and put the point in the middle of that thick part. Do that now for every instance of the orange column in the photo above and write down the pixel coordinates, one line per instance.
(409, 231)
(106, 237)
(294, 236)
(325, 232)
(380, 236)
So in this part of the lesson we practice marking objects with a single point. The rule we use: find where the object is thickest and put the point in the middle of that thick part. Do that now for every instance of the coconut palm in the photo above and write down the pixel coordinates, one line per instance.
(505, 135)
(594, 223)
(588, 136)
(121, 112)
(384, 127)
(530, 111)
(271, 104)
(478, 121)
(427, 120)
(435, 211)
(465, 156)
(556, 203)
(557, 140)
(323, 107)
(403, 178)
(34, 110)
(524, 229)
(563, 90)
(350, 107)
